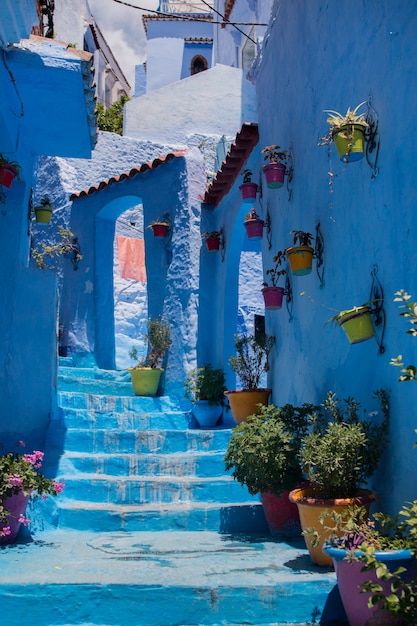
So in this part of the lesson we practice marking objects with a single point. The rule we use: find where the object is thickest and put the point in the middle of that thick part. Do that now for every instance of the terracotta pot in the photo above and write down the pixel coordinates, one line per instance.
(145, 380)
(350, 578)
(244, 402)
(273, 297)
(281, 515)
(357, 324)
(300, 259)
(7, 175)
(213, 244)
(159, 230)
(254, 228)
(310, 507)
(248, 191)
(350, 150)
(274, 175)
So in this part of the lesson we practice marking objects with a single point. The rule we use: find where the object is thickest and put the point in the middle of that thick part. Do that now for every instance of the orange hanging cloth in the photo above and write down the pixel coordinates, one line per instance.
(131, 258)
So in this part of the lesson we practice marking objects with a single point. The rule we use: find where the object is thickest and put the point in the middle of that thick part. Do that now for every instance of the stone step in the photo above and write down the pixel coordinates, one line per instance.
(163, 579)
(152, 490)
(177, 464)
(126, 420)
(118, 403)
(146, 441)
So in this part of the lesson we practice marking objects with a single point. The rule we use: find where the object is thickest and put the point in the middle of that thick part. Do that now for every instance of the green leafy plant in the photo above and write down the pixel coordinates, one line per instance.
(67, 245)
(205, 383)
(158, 340)
(343, 449)
(212, 233)
(274, 154)
(111, 119)
(251, 359)
(303, 238)
(247, 176)
(263, 451)
(14, 164)
(410, 313)
(275, 272)
(339, 120)
(20, 473)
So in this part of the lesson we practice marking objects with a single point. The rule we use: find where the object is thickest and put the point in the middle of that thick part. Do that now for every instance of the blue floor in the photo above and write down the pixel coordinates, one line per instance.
(150, 530)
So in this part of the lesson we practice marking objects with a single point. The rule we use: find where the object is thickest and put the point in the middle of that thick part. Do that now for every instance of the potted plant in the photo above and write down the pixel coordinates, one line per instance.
(300, 257)
(43, 212)
(274, 170)
(147, 372)
(348, 133)
(20, 479)
(213, 240)
(205, 387)
(254, 225)
(263, 455)
(273, 294)
(160, 226)
(248, 189)
(338, 457)
(374, 561)
(356, 322)
(9, 170)
(249, 363)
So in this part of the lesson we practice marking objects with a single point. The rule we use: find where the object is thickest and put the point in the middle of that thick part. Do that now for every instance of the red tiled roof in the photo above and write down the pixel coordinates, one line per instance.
(246, 140)
(140, 169)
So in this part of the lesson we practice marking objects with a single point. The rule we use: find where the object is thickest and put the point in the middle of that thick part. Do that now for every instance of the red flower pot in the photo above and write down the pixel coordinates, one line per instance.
(159, 230)
(7, 175)
(254, 228)
(281, 515)
(274, 175)
(273, 297)
(248, 191)
(213, 244)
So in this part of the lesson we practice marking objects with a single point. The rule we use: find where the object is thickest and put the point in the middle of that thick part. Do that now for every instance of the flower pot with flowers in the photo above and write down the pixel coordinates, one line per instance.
(213, 240)
(275, 170)
(338, 457)
(347, 131)
(300, 257)
(263, 456)
(272, 293)
(147, 372)
(204, 387)
(20, 479)
(9, 170)
(43, 212)
(254, 225)
(248, 189)
(249, 364)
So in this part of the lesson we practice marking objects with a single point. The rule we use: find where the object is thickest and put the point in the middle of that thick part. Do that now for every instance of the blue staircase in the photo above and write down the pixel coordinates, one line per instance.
(150, 530)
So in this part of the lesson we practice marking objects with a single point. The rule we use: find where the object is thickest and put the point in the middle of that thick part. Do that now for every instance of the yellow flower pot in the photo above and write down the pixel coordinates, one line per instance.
(145, 380)
(300, 259)
(350, 147)
(244, 402)
(357, 324)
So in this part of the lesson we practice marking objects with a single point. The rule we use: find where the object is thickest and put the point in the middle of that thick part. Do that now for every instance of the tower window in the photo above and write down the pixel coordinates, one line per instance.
(198, 64)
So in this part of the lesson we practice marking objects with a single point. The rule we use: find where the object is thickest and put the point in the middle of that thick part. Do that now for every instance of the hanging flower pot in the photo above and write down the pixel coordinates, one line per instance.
(248, 191)
(7, 174)
(300, 259)
(43, 212)
(213, 244)
(350, 142)
(254, 228)
(356, 323)
(274, 175)
(159, 229)
(273, 297)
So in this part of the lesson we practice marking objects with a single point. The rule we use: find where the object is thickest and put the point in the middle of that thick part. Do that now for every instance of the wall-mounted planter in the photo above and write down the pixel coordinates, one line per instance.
(274, 175)
(213, 244)
(357, 324)
(43, 213)
(273, 297)
(350, 145)
(7, 174)
(300, 259)
(248, 191)
(160, 229)
(254, 228)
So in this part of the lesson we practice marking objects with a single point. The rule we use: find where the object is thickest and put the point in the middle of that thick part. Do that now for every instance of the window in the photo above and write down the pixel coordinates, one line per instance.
(198, 64)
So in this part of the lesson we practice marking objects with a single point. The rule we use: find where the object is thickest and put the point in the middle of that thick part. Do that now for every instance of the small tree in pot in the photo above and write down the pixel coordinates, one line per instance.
(204, 387)
(147, 372)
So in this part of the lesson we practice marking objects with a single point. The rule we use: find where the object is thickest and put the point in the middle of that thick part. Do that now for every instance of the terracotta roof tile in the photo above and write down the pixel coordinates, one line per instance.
(246, 140)
(135, 171)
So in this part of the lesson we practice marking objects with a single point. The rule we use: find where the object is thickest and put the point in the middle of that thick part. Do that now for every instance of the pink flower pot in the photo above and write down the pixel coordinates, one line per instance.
(281, 514)
(248, 191)
(254, 229)
(274, 175)
(213, 244)
(7, 175)
(273, 297)
(16, 505)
